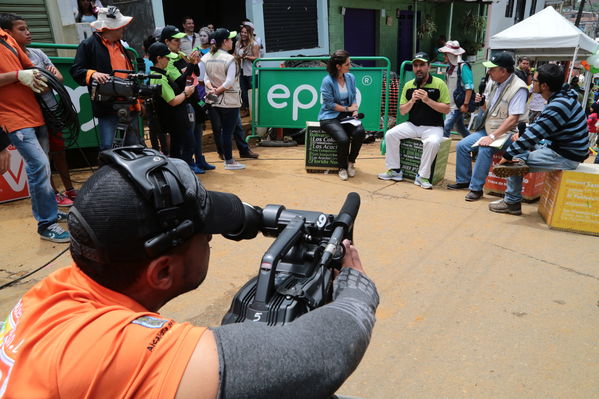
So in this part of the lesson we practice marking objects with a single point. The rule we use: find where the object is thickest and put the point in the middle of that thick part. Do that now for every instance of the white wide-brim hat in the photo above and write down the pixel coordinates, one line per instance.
(109, 19)
(452, 47)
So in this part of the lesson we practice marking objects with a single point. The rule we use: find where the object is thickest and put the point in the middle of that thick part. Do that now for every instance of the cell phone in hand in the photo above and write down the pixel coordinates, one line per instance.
(212, 97)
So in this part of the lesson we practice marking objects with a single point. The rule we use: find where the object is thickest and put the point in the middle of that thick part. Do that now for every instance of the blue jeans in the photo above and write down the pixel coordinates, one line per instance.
(455, 117)
(542, 159)
(32, 144)
(231, 127)
(107, 126)
(463, 167)
(239, 135)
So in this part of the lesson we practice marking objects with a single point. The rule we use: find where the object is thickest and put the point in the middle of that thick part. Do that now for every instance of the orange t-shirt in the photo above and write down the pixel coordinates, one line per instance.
(118, 60)
(70, 337)
(18, 107)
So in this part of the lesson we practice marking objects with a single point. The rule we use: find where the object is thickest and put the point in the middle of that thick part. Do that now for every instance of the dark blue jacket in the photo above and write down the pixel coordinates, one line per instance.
(563, 122)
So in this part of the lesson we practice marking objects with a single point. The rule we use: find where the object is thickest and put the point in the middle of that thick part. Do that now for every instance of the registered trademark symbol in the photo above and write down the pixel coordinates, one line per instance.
(366, 80)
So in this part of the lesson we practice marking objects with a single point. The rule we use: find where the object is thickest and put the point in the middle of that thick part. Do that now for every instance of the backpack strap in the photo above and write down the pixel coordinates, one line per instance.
(8, 46)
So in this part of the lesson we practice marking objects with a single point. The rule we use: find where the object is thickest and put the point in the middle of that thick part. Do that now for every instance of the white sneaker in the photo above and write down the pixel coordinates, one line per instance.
(422, 182)
(343, 174)
(351, 169)
(391, 175)
(234, 166)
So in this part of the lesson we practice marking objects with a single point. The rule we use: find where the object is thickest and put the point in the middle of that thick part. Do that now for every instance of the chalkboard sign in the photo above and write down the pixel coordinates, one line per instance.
(410, 151)
(321, 149)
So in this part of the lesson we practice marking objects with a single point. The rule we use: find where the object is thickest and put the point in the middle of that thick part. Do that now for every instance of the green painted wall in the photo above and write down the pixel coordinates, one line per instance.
(387, 35)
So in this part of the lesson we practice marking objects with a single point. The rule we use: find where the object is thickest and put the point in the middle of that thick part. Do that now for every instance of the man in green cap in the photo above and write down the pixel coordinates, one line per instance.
(425, 99)
(504, 107)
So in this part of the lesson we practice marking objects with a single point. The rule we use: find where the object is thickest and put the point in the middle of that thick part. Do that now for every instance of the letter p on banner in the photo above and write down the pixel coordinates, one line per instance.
(296, 104)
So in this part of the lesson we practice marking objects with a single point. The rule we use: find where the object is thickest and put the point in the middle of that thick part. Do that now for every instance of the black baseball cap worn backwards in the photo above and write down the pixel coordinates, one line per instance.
(140, 204)
(221, 34)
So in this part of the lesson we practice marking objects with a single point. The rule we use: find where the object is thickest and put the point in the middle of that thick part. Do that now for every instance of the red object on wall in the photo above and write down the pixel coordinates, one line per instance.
(532, 184)
(13, 183)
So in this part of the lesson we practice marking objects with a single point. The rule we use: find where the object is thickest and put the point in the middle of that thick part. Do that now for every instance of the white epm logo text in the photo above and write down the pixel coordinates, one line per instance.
(278, 95)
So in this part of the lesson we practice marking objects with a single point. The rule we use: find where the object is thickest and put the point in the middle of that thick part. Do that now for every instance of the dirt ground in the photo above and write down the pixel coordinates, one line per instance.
(473, 304)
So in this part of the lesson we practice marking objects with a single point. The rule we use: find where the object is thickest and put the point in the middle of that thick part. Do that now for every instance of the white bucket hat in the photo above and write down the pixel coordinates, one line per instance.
(110, 18)
(452, 47)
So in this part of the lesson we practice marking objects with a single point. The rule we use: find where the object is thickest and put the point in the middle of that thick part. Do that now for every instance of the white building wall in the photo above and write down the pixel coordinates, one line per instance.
(497, 21)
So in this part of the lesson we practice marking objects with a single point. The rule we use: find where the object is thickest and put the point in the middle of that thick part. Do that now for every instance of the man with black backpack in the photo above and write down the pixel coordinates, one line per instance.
(459, 82)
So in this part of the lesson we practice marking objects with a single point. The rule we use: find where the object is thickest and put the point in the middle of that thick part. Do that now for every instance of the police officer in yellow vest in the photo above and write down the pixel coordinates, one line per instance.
(503, 108)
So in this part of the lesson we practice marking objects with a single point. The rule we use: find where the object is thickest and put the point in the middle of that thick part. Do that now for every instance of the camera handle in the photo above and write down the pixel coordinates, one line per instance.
(120, 132)
(265, 283)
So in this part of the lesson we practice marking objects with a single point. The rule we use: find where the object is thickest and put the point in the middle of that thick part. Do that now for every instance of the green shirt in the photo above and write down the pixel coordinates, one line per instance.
(167, 93)
(421, 114)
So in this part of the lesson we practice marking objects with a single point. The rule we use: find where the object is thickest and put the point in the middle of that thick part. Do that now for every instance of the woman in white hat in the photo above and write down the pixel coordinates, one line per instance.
(453, 56)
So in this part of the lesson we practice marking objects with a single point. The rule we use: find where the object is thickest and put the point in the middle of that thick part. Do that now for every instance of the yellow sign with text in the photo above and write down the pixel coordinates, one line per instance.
(570, 199)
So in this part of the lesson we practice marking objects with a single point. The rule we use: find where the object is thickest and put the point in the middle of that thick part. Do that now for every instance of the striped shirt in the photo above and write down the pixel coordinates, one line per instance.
(563, 122)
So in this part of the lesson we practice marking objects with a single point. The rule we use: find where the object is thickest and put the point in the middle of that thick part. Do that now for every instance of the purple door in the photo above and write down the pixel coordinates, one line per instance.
(359, 37)
(405, 36)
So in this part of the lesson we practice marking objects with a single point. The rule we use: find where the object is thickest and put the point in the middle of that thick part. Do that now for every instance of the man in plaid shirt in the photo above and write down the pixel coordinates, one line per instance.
(562, 124)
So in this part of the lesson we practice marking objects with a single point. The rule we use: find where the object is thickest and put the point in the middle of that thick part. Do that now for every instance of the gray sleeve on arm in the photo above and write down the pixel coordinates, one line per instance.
(308, 358)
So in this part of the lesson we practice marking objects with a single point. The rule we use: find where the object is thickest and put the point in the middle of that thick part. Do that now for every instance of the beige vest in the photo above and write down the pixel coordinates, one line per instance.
(216, 69)
(499, 112)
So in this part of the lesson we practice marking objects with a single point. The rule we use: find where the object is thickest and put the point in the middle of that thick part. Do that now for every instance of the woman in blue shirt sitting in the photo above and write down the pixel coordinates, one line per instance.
(338, 90)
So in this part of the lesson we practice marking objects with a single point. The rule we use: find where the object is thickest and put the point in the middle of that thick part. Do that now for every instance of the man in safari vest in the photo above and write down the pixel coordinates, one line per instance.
(503, 108)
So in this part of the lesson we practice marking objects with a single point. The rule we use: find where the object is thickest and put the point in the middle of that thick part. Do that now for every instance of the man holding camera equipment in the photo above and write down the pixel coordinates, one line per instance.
(92, 329)
(503, 109)
(21, 117)
(426, 99)
(17, 27)
(97, 58)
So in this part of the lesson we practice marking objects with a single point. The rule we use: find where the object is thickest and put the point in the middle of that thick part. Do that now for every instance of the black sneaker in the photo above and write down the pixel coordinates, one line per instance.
(516, 168)
(500, 206)
(473, 196)
(249, 154)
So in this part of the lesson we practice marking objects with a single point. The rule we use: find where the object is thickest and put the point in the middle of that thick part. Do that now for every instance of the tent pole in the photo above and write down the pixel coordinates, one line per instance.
(588, 77)
(572, 65)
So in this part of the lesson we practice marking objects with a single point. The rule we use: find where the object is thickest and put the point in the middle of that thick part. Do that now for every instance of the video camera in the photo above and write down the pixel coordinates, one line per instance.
(129, 89)
(296, 272)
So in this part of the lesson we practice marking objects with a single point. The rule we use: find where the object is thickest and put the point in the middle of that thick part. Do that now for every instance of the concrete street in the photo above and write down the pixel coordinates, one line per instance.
(473, 304)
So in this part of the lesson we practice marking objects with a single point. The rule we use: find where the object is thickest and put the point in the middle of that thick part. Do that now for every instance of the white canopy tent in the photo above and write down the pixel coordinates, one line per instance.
(547, 35)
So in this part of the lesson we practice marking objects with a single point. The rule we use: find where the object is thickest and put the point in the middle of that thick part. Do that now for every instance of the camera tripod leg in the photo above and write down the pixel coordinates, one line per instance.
(120, 133)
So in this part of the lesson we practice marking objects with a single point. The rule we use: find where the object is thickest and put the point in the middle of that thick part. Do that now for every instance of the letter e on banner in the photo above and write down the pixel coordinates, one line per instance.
(272, 95)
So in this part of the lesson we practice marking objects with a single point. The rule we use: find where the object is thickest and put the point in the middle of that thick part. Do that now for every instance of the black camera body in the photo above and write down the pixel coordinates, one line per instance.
(296, 272)
(127, 90)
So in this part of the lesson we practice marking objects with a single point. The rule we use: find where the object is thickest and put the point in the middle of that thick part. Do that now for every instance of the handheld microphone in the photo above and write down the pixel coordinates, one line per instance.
(351, 118)
(418, 82)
